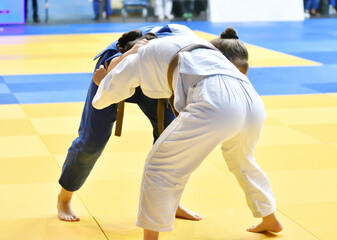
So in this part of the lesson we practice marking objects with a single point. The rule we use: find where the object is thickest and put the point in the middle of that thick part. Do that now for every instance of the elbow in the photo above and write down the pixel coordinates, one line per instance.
(97, 105)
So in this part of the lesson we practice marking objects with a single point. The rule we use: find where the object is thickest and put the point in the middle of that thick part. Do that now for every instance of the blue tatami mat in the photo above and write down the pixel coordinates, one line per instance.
(44, 88)
(314, 39)
(52, 88)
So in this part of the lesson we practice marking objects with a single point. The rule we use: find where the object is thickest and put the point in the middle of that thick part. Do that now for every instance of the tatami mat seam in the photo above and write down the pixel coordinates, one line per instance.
(279, 210)
(99, 226)
(305, 229)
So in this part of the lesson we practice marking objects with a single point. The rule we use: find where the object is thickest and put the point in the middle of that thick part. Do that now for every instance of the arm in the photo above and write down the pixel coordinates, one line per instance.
(102, 72)
(118, 84)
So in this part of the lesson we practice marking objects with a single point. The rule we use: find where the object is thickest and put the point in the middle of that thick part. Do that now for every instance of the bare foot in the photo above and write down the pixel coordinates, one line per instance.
(65, 212)
(268, 224)
(186, 214)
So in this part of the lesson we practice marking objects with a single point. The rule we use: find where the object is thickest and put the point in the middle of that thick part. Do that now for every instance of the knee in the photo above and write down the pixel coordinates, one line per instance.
(232, 156)
(94, 147)
(87, 149)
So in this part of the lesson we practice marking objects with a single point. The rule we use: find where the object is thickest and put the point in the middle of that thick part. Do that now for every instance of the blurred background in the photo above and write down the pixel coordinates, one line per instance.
(46, 64)
(85, 11)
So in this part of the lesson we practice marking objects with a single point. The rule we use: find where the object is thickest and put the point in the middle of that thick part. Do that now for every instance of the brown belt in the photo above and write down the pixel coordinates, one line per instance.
(161, 102)
(119, 119)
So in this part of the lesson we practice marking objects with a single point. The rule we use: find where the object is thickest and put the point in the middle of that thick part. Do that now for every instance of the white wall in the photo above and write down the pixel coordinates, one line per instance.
(255, 10)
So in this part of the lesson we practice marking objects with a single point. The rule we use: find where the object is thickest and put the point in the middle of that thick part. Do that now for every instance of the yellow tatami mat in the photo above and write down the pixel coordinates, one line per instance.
(297, 150)
(73, 53)
(262, 57)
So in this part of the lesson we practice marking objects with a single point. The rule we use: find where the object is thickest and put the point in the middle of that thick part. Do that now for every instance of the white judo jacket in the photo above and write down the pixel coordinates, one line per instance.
(148, 69)
(217, 105)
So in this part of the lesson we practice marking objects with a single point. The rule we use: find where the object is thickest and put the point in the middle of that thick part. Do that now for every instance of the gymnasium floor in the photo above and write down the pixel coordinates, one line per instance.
(44, 76)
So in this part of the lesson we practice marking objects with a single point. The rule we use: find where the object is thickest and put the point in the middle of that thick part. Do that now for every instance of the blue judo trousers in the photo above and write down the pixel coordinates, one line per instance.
(96, 125)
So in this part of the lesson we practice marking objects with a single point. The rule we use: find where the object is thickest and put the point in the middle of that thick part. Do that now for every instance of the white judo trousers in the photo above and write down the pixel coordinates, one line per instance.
(219, 110)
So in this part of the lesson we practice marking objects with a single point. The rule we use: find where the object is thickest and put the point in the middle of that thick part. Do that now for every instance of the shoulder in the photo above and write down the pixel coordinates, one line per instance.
(111, 48)
(180, 29)
(171, 29)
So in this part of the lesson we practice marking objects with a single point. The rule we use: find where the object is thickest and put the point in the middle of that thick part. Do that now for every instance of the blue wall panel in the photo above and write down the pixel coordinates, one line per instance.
(12, 12)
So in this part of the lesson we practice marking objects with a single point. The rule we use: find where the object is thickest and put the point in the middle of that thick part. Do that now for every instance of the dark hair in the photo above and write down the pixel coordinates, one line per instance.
(129, 39)
(233, 49)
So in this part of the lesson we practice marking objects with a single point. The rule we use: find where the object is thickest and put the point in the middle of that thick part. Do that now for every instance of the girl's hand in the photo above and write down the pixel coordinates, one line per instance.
(136, 47)
(99, 75)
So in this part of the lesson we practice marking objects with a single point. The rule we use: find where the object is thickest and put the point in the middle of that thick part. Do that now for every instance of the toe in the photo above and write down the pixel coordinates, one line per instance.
(251, 229)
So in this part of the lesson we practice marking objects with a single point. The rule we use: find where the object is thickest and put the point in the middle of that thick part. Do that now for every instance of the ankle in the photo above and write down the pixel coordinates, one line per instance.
(65, 196)
(150, 235)
(273, 222)
(61, 199)
(269, 217)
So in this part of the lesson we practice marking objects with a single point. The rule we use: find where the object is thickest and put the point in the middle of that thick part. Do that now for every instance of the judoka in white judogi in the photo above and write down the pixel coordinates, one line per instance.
(217, 104)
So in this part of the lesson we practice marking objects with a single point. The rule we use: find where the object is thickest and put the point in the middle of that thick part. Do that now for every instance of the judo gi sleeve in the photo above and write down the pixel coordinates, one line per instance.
(119, 84)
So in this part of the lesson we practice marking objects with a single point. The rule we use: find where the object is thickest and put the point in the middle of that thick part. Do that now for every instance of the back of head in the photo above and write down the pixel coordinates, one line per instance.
(129, 39)
(233, 49)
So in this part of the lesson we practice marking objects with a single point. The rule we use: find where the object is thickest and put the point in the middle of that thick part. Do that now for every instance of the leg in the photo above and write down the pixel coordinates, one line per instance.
(255, 184)
(149, 108)
(177, 153)
(94, 132)
(307, 4)
(168, 9)
(315, 4)
(65, 212)
(240, 161)
(171, 161)
(150, 235)
(108, 8)
(95, 5)
(26, 10)
(35, 11)
(158, 10)
(315, 7)
(239, 156)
